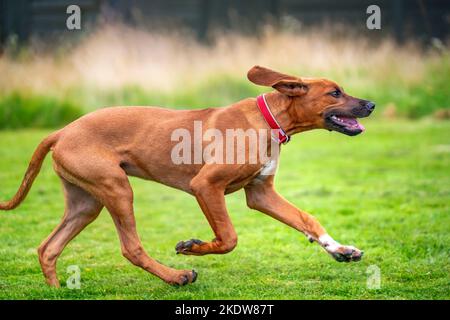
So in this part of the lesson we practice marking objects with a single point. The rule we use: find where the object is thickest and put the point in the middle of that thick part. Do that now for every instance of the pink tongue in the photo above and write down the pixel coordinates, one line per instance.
(353, 122)
(361, 127)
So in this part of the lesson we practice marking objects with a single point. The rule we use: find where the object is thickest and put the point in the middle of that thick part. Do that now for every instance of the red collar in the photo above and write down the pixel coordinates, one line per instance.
(270, 119)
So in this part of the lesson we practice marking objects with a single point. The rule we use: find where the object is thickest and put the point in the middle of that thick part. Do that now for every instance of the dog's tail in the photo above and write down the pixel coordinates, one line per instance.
(33, 170)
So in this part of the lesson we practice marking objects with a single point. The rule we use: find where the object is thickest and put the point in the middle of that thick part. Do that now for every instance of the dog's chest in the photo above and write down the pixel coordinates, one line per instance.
(264, 172)
(267, 170)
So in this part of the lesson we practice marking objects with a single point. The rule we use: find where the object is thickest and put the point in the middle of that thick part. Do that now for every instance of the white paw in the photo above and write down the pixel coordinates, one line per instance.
(340, 252)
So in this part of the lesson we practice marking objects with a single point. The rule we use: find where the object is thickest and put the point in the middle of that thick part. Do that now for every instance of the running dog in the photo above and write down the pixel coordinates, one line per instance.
(94, 155)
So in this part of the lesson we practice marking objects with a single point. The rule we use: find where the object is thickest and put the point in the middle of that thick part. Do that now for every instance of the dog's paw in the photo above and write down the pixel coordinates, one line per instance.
(346, 253)
(183, 278)
(338, 251)
(185, 247)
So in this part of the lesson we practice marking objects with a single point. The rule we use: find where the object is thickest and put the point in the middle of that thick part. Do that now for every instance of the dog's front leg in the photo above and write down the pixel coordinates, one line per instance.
(210, 197)
(262, 196)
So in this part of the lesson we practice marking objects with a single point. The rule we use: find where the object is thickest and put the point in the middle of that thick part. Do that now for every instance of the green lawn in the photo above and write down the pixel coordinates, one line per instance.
(386, 191)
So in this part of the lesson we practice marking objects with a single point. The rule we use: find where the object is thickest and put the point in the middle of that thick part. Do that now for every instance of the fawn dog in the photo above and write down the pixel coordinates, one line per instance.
(94, 155)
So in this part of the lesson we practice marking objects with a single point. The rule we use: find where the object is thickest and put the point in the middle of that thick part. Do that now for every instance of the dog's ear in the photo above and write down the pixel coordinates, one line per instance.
(289, 85)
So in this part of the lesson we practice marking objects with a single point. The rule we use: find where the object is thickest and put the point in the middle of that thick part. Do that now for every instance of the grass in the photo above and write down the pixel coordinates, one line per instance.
(386, 191)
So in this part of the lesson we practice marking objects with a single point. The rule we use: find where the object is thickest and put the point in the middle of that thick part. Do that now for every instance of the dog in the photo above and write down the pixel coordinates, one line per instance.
(94, 155)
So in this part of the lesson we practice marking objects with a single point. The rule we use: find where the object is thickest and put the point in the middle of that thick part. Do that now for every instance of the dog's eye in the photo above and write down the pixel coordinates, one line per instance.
(336, 93)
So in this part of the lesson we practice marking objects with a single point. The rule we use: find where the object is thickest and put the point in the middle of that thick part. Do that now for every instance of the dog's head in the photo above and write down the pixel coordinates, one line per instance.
(319, 102)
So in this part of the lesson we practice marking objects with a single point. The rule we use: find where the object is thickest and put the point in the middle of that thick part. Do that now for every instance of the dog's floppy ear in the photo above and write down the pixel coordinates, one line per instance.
(289, 85)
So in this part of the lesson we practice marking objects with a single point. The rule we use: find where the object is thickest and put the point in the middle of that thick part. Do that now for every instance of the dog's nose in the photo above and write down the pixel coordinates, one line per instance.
(370, 106)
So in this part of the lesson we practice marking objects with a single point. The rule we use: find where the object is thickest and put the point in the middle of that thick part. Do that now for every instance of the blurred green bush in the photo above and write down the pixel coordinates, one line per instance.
(24, 109)
(119, 66)
(19, 110)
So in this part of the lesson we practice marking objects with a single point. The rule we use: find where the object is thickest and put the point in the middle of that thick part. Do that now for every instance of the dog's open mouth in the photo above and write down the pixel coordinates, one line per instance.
(344, 124)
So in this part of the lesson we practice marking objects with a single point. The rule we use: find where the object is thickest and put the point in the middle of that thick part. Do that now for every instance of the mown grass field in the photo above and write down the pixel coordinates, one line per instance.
(386, 191)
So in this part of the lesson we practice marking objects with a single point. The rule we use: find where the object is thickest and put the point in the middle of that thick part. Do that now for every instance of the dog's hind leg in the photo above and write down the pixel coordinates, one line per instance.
(98, 171)
(81, 209)
(118, 199)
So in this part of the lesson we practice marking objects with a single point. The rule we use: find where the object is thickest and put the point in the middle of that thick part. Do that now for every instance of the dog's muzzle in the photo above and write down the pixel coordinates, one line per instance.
(345, 121)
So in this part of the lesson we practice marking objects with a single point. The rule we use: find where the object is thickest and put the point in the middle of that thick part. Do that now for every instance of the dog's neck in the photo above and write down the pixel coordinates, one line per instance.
(291, 121)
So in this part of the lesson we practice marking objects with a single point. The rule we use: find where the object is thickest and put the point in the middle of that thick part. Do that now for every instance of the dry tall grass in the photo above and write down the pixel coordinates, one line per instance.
(121, 65)
(117, 55)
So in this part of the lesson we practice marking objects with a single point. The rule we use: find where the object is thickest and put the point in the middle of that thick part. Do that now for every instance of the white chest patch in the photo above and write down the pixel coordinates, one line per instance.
(269, 168)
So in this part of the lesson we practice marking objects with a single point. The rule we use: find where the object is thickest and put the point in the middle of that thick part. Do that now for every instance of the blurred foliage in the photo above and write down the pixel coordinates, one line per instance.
(120, 65)
(21, 110)
(417, 99)
(25, 109)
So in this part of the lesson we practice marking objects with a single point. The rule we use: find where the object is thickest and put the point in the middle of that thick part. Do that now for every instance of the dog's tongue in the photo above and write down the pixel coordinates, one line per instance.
(361, 127)
(352, 122)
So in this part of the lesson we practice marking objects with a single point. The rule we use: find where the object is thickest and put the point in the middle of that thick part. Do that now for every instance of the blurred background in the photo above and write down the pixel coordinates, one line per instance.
(386, 191)
(195, 53)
